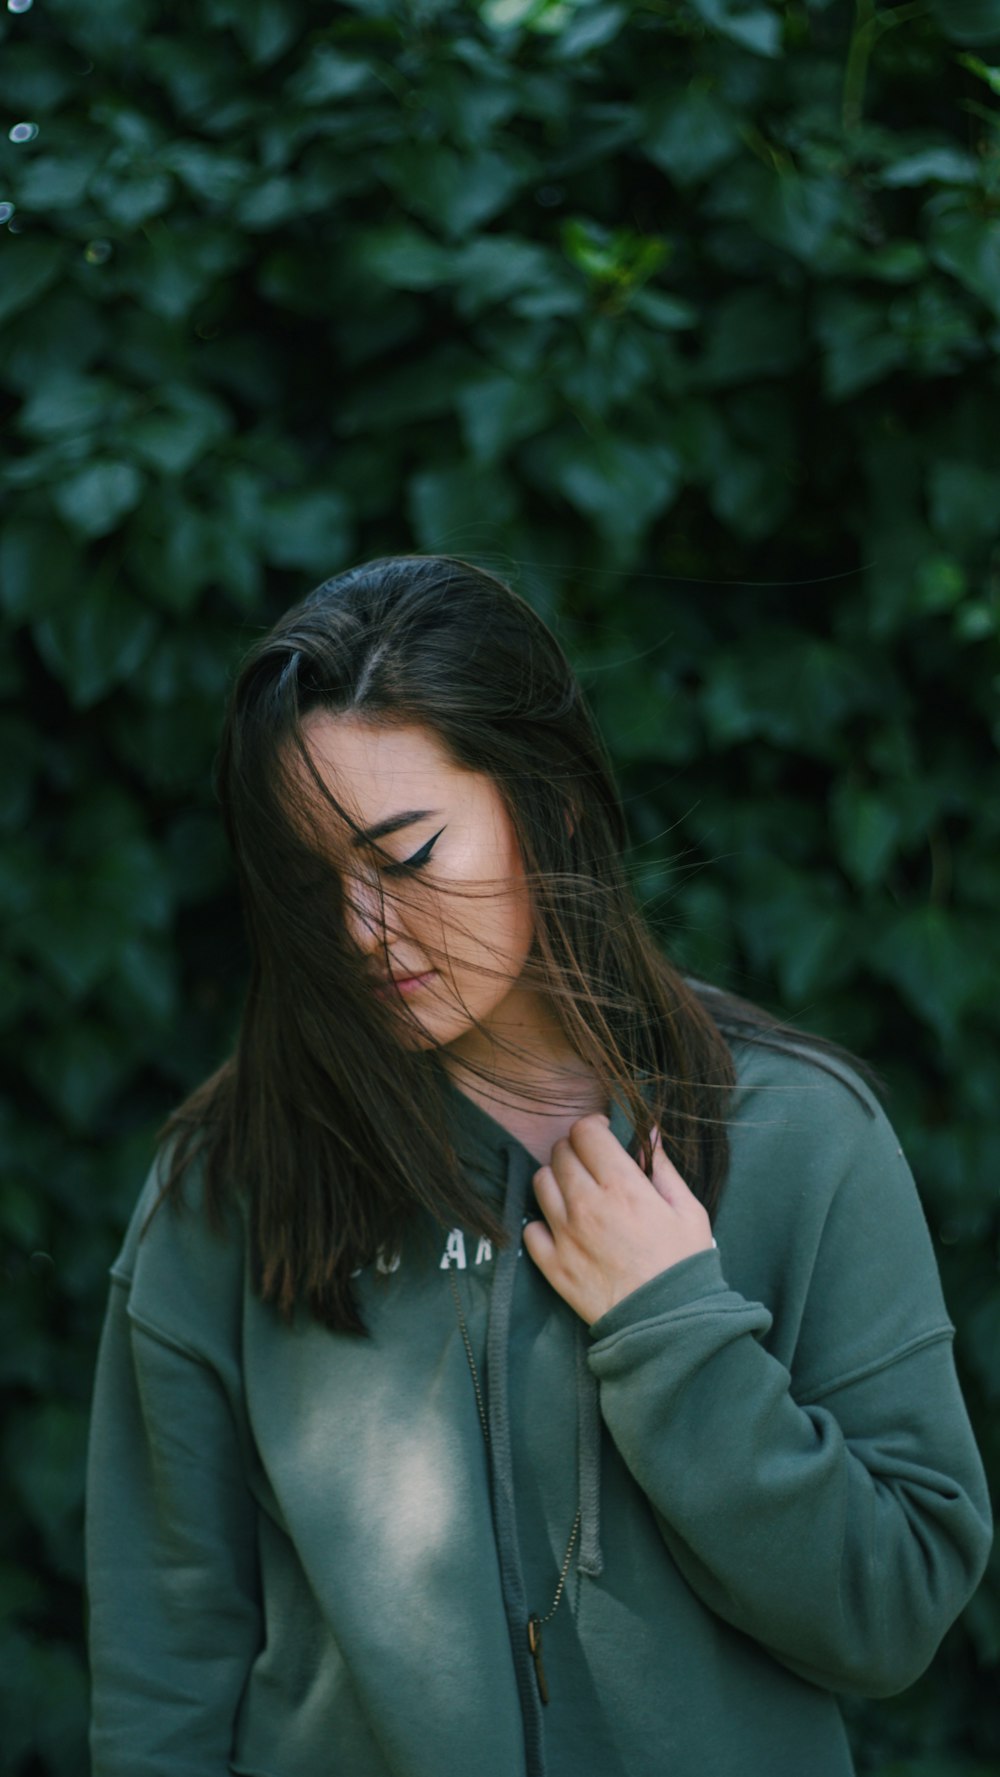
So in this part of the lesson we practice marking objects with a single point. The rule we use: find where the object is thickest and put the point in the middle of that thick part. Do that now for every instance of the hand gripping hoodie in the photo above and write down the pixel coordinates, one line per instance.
(304, 1560)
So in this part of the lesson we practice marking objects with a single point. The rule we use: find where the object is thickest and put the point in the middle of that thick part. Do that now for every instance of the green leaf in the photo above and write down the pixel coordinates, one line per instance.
(311, 530)
(58, 181)
(63, 333)
(456, 192)
(964, 499)
(96, 499)
(968, 21)
(745, 495)
(143, 992)
(941, 583)
(410, 391)
(808, 937)
(618, 484)
(505, 269)
(271, 202)
(43, 1701)
(207, 171)
(132, 197)
(669, 314)
(197, 858)
(178, 268)
(751, 334)
(897, 262)
(859, 347)
(402, 256)
(77, 1069)
(795, 691)
(866, 830)
(70, 402)
(264, 28)
(31, 83)
(19, 749)
(27, 268)
(174, 555)
(582, 31)
(804, 214)
(198, 73)
(968, 246)
(328, 75)
(95, 642)
(950, 166)
(39, 568)
(457, 509)
(980, 68)
(498, 410)
(980, 1343)
(747, 23)
(938, 965)
(71, 938)
(189, 422)
(45, 1448)
(688, 133)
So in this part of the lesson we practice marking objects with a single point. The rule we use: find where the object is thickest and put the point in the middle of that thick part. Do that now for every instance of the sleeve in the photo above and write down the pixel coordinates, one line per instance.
(834, 1508)
(174, 1622)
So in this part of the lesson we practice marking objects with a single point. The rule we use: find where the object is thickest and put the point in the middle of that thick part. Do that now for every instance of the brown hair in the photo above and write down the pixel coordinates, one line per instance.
(332, 1131)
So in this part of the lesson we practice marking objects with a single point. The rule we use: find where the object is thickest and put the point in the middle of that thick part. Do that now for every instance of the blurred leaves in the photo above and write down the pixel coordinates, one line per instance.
(683, 317)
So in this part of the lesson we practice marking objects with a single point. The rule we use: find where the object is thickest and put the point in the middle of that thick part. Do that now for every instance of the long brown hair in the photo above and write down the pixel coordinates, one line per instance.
(332, 1130)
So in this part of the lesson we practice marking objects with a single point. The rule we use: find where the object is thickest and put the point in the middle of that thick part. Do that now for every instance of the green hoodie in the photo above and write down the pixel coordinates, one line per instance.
(304, 1560)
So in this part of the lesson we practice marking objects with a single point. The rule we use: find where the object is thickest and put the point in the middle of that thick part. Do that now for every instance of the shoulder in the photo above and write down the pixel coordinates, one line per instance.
(808, 1127)
(820, 1215)
(183, 1278)
(801, 1094)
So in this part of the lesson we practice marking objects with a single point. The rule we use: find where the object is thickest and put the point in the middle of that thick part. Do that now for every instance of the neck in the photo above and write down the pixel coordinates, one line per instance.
(523, 1051)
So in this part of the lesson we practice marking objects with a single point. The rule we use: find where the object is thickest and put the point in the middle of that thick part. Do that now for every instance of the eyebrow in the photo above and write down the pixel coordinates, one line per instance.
(392, 825)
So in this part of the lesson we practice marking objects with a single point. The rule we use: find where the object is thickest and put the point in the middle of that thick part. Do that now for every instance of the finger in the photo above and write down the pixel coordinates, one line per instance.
(665, 1175)
(570, 1170)
(539, 1245)
(598, 1151)
(673, 1188)
(549, 1195)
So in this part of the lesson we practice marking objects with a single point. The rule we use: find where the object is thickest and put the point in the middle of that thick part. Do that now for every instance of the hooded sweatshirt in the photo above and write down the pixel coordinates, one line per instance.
(305, 1560)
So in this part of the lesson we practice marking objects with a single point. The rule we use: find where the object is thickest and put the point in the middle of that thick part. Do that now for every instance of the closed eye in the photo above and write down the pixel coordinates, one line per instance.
(418, 859)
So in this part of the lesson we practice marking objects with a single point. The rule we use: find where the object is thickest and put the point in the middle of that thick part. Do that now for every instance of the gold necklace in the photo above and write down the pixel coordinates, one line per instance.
(535, 1622)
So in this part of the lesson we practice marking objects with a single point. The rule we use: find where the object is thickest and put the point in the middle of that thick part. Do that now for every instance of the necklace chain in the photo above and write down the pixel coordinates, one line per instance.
(534, 1621)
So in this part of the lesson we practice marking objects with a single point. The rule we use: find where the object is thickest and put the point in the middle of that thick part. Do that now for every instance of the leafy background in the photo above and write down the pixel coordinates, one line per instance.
(682, 315)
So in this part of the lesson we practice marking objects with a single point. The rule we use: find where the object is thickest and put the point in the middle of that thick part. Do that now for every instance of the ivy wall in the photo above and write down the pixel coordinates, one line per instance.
(685, 317)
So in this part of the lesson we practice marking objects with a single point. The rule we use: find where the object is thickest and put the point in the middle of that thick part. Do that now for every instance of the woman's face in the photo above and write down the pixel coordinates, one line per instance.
(476, 936)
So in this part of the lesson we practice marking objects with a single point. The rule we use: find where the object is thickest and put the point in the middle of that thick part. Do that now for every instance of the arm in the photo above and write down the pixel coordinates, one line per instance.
(834, 1509)
(171, 1559)
(844, 1534)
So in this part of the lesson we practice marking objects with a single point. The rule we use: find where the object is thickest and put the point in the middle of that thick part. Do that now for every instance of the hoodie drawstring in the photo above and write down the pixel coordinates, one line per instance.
(588, 1445)
(502, 1468)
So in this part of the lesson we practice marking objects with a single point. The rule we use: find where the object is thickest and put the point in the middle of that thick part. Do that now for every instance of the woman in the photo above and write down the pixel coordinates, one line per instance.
(522, 1358)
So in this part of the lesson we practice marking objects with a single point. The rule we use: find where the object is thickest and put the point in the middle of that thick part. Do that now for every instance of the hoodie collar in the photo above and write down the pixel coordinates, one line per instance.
(484, 1142)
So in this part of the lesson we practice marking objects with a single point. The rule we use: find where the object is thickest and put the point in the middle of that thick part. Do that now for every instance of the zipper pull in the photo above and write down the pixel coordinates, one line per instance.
(535, 1644)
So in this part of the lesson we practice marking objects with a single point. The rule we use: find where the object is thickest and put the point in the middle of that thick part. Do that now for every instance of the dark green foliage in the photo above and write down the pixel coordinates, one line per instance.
(683, 315)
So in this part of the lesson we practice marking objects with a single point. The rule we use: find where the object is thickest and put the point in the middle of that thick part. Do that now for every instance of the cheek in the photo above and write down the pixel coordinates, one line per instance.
(513, 919)
(496, 916)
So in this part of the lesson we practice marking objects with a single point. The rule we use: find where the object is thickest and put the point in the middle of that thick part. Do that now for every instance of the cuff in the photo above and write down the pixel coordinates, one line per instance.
(690, 1280)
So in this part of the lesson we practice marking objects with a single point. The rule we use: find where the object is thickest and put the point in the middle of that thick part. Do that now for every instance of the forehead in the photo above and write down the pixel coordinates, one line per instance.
(377, 772)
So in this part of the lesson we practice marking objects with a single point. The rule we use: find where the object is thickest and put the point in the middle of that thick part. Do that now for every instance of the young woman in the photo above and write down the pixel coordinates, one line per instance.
(522, 1359)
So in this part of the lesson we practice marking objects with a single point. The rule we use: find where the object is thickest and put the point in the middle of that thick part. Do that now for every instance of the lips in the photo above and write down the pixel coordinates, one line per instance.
(402, 982)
